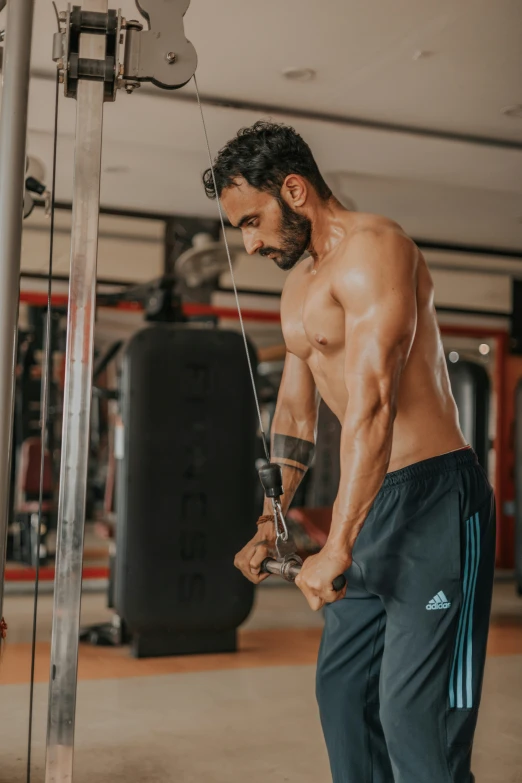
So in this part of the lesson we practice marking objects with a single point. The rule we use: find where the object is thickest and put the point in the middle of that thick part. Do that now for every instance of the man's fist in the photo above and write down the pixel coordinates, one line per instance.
(317, 575)
(252, 555)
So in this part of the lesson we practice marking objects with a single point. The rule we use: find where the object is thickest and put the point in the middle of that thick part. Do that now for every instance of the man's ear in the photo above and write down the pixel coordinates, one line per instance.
(295, 191)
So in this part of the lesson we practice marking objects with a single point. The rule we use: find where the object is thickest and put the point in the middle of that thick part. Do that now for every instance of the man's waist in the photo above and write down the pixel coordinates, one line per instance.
(431, 466)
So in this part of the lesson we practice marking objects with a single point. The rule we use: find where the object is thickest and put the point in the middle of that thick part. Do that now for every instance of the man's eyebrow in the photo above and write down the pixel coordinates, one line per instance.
(244, 220)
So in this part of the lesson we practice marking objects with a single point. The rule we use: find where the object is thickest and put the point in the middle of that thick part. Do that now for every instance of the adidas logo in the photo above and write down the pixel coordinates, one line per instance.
(438, 602)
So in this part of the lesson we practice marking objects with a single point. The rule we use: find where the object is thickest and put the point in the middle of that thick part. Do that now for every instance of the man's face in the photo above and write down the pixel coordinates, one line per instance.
(270, 228)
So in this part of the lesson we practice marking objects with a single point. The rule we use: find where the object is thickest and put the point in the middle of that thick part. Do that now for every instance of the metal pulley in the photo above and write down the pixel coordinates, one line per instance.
(160, 54)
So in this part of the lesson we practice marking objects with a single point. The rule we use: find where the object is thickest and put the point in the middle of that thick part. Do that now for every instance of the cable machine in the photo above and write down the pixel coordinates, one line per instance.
(97, 52)
(87, 51)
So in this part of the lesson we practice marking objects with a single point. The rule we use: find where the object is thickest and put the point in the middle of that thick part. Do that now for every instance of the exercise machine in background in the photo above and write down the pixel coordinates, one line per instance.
(23, 544)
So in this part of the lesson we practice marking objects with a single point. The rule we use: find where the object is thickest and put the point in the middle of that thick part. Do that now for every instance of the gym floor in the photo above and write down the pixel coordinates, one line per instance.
(223, 718)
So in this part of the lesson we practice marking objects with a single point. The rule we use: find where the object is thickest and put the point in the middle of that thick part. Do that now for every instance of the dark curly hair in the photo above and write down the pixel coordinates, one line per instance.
(264, 155)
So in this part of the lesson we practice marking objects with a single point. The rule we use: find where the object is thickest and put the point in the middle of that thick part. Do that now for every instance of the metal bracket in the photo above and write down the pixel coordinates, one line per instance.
(161, 55)
(66, 50)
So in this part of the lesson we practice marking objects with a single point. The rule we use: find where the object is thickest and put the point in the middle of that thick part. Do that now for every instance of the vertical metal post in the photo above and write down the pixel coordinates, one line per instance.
(13, 132)
(77, 405)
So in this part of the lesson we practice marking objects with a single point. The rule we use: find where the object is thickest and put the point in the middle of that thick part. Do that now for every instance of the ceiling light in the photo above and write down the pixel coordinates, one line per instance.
(300, 74)
(484, 349)
(453, 357)
(515, 110)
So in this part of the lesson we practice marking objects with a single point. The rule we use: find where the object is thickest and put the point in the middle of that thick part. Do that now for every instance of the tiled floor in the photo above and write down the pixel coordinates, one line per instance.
(221, 719)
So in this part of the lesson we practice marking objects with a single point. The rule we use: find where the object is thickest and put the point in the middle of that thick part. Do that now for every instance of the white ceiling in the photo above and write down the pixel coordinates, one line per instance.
(363, 51)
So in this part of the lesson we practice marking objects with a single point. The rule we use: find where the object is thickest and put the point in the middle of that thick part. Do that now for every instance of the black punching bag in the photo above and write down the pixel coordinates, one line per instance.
(186, 490)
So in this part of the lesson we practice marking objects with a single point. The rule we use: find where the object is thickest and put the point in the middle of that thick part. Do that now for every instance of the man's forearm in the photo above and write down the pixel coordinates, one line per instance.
(295, 456)
(291, 480)
(365, 456)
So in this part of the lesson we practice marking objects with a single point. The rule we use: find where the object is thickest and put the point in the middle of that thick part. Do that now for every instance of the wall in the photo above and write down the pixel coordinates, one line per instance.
(129, 249)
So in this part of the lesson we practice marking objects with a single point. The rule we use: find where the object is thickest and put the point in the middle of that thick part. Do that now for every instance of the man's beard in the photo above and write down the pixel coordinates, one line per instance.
(296, 232)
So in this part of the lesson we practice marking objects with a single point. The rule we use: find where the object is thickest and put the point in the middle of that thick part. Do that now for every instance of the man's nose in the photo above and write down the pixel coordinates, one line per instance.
(252, 245)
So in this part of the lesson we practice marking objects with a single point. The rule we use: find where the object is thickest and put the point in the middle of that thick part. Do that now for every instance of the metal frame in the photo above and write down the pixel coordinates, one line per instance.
(147, 61)
(93, 25)
(13, 131)
(76, 417)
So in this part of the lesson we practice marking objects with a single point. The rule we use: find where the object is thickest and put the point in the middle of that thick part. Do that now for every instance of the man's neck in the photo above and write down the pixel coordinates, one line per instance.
(329, 227)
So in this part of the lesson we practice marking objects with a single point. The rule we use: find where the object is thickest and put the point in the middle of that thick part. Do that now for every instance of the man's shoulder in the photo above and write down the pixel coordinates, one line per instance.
(374, 242)
(376, 253)
(374, 231)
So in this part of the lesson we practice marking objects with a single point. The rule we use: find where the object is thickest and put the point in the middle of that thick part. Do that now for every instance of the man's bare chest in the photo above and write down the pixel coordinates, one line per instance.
(312, 320)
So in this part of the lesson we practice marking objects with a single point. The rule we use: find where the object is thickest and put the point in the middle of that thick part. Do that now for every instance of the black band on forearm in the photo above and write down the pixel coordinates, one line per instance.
(288, 464)
(295, 449)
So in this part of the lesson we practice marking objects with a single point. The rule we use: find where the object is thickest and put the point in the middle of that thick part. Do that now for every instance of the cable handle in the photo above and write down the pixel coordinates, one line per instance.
(290, 568)
(271, 478)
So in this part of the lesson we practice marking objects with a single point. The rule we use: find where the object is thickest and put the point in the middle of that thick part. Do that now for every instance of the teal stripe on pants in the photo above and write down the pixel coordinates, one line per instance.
(460, 664)
(466, 583)
(469, 659)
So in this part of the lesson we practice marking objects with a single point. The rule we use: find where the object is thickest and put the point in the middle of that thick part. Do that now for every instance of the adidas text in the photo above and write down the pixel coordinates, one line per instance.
(438, 602)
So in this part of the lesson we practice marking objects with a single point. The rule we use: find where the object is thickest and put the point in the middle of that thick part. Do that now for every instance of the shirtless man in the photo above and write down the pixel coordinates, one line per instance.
(400, 666)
